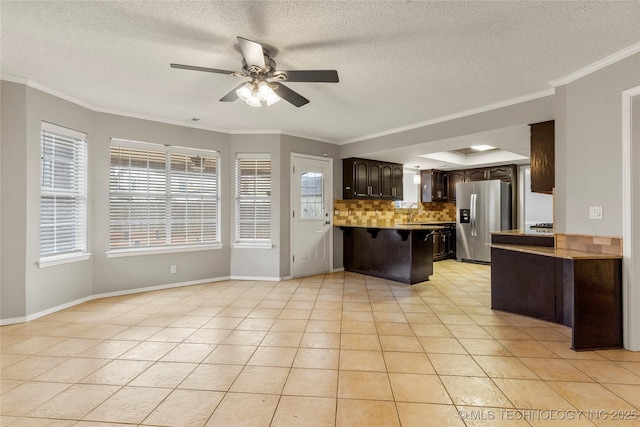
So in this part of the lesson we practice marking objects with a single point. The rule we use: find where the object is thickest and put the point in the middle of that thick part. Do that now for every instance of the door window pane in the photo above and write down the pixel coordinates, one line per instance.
(312, 195)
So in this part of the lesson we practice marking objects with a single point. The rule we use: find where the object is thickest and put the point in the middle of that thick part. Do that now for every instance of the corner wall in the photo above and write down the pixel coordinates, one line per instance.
(589, 149)
(253, 263)
(13, 199)
(131, 272)
(293, 144)
(27, 290)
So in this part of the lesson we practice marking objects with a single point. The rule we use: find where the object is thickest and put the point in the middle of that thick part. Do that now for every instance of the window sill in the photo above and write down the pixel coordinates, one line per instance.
(118, 253)
(62, 259)
(251, 245)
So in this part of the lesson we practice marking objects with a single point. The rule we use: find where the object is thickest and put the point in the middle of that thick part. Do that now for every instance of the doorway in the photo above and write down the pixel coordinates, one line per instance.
(312, 212)
(631, 217)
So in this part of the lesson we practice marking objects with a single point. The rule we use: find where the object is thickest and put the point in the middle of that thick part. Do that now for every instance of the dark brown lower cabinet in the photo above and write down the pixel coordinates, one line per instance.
(444, 243)
(402, 255)
(585, 294)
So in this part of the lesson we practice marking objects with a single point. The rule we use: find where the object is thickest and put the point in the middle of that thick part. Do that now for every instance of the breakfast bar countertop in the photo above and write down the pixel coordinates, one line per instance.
(554, 252)
(403, 226)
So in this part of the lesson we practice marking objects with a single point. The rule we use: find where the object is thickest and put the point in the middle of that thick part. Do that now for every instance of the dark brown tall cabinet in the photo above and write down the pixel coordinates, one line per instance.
(371, 179)
(454, 177)
(434, 186)
(543, 157)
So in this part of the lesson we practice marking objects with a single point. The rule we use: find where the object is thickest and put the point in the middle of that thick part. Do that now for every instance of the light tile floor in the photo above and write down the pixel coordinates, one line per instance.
(334, 350)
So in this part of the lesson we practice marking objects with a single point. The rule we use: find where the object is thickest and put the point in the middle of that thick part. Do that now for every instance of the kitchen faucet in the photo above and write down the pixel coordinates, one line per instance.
(411, 215)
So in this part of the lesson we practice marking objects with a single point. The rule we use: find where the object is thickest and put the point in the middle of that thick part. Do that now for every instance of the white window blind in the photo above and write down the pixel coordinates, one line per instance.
(253, 197)
(63, 191)
(162, 196)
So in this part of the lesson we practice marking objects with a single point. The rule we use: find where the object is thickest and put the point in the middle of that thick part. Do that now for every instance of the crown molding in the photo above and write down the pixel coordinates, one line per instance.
(598, 65)
(94, 108)
(483, 109)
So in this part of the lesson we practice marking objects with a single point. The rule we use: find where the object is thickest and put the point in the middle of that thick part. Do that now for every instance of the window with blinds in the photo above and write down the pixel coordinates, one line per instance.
(253, 197)
(162, 196)
(63, 191)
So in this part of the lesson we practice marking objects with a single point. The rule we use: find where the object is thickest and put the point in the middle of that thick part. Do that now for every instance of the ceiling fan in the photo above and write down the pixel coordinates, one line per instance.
(266, 82)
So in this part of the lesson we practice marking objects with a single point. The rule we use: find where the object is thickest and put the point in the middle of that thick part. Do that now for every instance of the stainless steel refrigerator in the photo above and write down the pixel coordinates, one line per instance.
(482, 207)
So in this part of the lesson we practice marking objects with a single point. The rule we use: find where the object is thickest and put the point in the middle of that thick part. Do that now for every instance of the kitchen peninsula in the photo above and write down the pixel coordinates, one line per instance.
(569, 279)
(401, 252)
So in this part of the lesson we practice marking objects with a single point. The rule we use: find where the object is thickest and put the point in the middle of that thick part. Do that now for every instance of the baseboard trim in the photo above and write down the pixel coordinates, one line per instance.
(159, 287)
(257, 278)
(39, 314)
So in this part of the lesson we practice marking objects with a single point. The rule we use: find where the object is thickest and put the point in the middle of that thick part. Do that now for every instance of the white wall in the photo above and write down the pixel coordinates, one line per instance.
(538, 207)
(589, 149)
(536, 110)
(411, 191)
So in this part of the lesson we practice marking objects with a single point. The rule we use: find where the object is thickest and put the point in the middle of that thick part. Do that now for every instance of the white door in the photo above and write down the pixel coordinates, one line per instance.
(312, 207)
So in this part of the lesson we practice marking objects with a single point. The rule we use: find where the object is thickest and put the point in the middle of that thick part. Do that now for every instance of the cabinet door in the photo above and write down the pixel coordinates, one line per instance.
(397, 174)
(386, 181)
(438, 245)
(454, 178)
(476, 174)
(440, 186)
(361, 181)
(450, 243)
(434, 186)
(502, 173)
(375, 181)
(543, 157)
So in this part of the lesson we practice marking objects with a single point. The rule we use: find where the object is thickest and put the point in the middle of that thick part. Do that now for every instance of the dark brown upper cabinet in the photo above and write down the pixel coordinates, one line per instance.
(371, 179)
(477, 174)
(543, 157)
(454, 178)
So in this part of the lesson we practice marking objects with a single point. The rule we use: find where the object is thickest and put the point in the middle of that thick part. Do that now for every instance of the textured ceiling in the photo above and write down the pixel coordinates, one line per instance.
(399, 63)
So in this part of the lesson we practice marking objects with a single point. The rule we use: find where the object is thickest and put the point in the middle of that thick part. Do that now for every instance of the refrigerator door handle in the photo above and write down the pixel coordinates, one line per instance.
(473, 215)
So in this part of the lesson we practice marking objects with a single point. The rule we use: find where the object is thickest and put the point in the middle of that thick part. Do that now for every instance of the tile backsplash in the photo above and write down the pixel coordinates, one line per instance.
(384, 212)
(595, 244)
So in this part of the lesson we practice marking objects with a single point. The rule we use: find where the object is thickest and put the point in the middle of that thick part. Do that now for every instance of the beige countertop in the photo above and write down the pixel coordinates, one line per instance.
(553, 252)
(519, 232)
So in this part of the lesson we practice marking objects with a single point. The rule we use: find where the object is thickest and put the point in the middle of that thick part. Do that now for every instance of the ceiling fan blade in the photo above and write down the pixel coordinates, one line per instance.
(232, 96)
(289, 95)
(194, 68)
(252, 52)
(320, 76)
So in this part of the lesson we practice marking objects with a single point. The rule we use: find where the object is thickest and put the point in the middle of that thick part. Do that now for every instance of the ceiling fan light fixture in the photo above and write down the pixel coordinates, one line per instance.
(267, 94)
(254, 100)
(244, 92)
(254, 93)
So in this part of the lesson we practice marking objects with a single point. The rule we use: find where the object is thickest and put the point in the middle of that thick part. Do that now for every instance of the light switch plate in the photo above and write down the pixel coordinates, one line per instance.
(595, 212)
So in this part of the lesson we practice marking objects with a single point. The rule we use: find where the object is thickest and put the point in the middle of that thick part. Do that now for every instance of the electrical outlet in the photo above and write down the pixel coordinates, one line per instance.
(595, 212)
(173, 269)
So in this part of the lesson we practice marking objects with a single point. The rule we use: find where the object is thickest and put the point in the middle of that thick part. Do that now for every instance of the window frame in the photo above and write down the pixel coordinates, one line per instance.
(77, 141)
(169, 195)
(252, 242)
